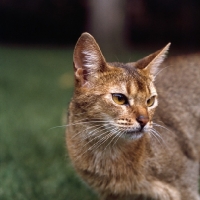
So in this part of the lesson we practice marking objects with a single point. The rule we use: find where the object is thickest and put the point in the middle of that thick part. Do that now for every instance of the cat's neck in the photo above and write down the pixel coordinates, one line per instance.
(122, 153)
(117, 168)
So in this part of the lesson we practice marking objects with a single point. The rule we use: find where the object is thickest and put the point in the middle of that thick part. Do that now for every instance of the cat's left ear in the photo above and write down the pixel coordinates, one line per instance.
(88, 59)
(150, 64)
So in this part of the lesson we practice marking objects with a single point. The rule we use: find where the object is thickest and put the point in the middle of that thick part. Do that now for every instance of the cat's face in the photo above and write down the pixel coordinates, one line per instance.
(118, 100)
(122, 100)
(129, 102)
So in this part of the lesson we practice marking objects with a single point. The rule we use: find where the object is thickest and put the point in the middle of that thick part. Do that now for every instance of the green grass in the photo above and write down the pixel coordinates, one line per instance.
(35, 89)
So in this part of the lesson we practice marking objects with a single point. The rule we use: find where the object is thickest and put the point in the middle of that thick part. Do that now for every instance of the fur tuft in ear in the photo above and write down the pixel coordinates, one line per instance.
(88, 59)
(150, 64)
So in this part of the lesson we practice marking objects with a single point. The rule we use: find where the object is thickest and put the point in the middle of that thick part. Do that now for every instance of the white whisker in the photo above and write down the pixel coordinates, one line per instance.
(158, 125)
(93, 146)
(152, 133)
(161, 70)
(115, 135)
(119, 135)
(157, 135)
(94, 132)
(88, 128)
(80, 122)
(102, 141)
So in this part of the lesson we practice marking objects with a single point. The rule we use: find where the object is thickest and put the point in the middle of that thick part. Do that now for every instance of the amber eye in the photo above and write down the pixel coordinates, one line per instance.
(151, 101)
(119, 99)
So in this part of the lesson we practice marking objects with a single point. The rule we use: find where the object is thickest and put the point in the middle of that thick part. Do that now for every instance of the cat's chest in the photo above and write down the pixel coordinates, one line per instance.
(115, 171)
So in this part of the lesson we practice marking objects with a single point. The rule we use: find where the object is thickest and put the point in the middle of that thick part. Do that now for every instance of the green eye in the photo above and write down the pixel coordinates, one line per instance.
(151, 101)
(119, 99)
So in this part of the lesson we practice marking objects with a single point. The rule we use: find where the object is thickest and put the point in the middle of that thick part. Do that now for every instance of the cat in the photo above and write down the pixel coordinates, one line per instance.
(112, 140)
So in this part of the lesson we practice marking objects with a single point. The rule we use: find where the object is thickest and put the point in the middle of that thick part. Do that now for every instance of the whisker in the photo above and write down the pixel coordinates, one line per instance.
(79, 122)
(121, 132)
(90, 127)
(117, 133)
(102, 140)
(158, 125)
(63, 126)
(161, 70)
(99, 143)
(93, 132)
(157, 135)
(91, 148)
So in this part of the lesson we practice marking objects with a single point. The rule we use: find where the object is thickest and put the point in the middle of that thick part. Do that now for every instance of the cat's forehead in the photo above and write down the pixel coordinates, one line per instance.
(129, 67)
(129, 74)
(127, 80)
(128, 88)
(131, 88)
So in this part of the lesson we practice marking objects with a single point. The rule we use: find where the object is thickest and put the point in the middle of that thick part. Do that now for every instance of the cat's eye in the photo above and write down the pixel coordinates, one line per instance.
(119, 99)
(151, 101)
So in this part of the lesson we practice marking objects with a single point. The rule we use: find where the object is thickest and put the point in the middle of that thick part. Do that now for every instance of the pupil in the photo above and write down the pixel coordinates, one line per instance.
(120, 98)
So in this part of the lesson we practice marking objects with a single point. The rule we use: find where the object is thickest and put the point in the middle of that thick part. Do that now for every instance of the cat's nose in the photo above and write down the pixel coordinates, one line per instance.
(142, 120)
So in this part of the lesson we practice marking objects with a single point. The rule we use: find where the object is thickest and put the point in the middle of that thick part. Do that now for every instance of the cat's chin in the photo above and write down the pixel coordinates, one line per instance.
(133, 135)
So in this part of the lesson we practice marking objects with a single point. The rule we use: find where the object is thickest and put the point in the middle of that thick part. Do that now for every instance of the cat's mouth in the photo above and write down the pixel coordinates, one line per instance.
(133, 133)
(129, 131)
(133, 129)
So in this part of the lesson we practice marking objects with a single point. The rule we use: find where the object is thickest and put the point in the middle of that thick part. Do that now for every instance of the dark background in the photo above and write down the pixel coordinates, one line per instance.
(60, 22)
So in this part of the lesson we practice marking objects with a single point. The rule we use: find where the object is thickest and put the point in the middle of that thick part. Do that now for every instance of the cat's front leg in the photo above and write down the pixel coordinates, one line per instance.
(163, 191)
(154, 190)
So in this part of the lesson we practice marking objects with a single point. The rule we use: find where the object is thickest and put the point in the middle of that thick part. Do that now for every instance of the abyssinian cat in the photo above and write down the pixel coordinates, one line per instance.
(114, 143)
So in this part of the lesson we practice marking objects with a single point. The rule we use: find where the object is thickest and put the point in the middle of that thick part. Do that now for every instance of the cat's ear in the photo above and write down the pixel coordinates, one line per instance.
(88, 59)
(150, 64)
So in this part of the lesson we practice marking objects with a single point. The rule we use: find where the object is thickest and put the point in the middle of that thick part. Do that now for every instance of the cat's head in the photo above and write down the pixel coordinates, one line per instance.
(119, 97)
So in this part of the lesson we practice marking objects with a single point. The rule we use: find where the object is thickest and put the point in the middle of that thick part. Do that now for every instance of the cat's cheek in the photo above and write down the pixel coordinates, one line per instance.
(105, 108)
(151, 112)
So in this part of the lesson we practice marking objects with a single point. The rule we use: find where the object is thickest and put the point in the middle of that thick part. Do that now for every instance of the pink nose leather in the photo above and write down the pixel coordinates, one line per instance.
(143, 120)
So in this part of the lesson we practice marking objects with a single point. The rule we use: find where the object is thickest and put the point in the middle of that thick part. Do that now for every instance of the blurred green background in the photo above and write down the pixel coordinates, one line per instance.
(35, 88)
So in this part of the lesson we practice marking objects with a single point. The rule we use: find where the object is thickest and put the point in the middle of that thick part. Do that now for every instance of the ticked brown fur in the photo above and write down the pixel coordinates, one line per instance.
(116, 148)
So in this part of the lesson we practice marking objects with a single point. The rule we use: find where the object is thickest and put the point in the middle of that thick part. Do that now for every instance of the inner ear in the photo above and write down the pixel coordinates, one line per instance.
(88, 59)
(151, 63)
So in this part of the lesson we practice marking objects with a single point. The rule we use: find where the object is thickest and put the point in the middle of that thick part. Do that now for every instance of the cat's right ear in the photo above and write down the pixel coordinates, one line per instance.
(150, 64)
(88, 59)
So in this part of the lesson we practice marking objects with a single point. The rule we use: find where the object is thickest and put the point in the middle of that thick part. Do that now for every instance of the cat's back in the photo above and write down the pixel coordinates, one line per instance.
(178, 87)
